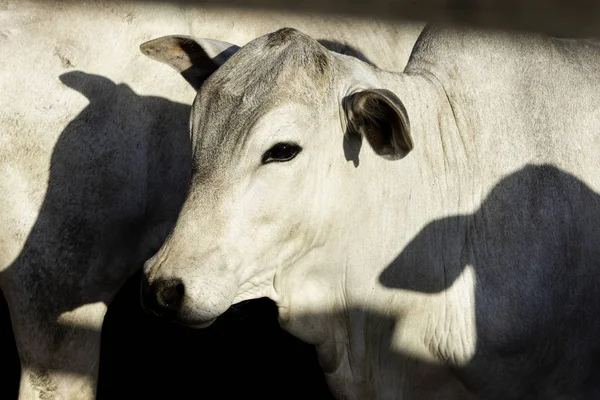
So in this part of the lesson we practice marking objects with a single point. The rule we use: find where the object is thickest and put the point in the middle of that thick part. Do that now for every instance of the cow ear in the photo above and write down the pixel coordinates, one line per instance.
(380, 116)
(196, 59)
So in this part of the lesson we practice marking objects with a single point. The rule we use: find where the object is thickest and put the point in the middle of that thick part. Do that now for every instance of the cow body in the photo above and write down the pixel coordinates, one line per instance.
(95, 163)
(433, 232)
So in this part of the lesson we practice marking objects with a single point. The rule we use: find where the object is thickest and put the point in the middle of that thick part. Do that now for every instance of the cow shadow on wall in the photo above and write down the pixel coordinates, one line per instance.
(101, 214)
(534, 249)
(141, 356)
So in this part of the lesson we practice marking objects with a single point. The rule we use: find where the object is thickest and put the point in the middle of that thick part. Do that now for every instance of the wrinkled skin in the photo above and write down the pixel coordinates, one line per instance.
(432, 232)
(96, 161)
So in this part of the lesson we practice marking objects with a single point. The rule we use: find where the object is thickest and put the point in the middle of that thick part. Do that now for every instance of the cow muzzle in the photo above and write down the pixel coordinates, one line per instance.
(166, 298)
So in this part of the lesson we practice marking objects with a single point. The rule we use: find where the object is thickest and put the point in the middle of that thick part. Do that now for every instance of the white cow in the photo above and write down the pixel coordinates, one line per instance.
(95, 165)
(434, 233)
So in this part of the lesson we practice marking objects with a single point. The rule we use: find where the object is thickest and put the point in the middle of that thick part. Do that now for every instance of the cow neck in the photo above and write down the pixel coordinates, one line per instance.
(404, 196)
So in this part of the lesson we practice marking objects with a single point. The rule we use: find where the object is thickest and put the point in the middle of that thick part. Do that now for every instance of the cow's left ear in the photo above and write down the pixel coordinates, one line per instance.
(196, 59)
(380, 116)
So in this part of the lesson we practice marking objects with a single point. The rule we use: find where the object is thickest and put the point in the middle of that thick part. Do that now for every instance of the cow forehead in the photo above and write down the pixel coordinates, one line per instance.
(286, 60)
(265, 75)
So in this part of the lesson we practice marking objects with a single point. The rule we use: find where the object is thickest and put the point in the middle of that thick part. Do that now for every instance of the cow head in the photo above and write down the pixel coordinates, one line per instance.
(275, 126)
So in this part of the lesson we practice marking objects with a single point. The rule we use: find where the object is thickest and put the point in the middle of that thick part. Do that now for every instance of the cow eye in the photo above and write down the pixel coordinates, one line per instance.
(281, 152)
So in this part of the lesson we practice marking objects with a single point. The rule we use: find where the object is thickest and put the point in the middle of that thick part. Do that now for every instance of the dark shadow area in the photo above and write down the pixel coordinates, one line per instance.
(555, 17)
(345, 49)
(351, 143)
(118, 176)
(9, 358)
(244, 354)
(533, 245)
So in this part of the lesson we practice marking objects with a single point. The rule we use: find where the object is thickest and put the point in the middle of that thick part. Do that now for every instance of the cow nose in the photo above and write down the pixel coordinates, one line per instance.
(169, 294)
(163, 297)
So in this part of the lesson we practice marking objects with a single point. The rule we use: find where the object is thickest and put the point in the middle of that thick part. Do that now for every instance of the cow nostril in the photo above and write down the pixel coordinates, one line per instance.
(170, 294)
(179, 289)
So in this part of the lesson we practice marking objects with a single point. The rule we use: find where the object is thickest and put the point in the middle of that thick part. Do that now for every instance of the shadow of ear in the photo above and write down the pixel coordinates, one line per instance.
(89, 85)
(432, 261)
(352, 143)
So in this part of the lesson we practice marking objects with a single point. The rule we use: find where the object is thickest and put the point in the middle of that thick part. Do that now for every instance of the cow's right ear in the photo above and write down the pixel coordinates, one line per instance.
(380, 117)
(195, 59)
